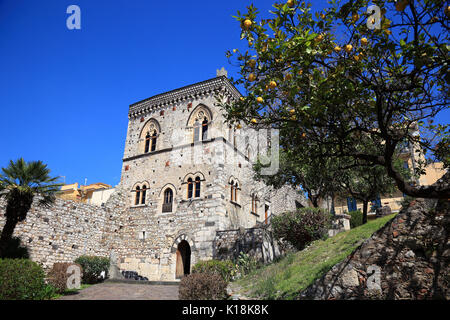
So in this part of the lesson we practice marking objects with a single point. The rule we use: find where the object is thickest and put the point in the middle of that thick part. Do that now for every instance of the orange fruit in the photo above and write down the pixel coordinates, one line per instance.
(252, 63)
(290, 3)
(251, 77)
(348, 48)
(337, 48)
(259, 100)
(364, 41)
(272, 84)
(247, 23)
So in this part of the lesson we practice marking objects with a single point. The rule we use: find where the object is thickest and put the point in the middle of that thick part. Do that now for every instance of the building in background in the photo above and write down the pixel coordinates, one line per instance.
(410, 157)
(95, 193)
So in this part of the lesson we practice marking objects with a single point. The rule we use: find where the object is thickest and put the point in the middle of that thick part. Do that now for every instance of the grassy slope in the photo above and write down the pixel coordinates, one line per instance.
(296, 271)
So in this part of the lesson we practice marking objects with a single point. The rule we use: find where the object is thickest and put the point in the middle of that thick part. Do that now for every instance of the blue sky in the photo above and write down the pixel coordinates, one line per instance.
(64, 94)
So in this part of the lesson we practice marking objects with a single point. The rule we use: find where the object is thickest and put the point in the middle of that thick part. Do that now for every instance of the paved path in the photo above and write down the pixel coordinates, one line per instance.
(126, 291)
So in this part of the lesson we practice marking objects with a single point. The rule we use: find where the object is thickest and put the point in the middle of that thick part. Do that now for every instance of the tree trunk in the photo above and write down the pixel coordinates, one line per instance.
(365, 206)
(314, 201)
(7, 233)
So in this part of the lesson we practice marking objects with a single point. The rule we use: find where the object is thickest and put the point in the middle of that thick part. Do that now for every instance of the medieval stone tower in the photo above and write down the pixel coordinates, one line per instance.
(187, 175)
(186, 194)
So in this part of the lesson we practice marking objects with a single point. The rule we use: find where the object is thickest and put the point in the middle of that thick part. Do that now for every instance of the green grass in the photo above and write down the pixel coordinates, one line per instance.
(296, 271)
(71, 291)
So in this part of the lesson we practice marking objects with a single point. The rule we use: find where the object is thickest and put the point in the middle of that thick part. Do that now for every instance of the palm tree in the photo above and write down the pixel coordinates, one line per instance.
(20, 182)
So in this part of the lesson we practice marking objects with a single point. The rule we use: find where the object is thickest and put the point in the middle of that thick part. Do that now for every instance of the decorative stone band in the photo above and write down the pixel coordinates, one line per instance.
(180, 238)
(216, 85)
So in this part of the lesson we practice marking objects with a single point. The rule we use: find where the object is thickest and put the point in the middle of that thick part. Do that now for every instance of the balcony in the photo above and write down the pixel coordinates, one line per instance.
(167, 207)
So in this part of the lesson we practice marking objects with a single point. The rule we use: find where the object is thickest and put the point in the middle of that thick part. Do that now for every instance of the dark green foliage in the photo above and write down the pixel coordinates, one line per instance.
(23, 279)
(301, 227)
(92, 268)
(224, 268)
(203, 286)
(246, 264)
(356, 218)
(20, 182)
(58, 276)
(15, 250)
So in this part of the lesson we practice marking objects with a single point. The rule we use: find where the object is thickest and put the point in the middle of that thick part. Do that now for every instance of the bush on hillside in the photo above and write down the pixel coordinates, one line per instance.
(224, 268)
(356, 219)
(301, 227)
(92, 268)
(23, 279)
(203, 286)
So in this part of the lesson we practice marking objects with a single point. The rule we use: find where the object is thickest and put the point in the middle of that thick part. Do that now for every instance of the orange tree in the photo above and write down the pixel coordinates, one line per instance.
(339, 90)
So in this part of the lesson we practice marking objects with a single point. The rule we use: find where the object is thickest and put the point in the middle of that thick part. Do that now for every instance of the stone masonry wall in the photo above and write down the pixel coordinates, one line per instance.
(256, 242)
(407, 259)
(67, 230)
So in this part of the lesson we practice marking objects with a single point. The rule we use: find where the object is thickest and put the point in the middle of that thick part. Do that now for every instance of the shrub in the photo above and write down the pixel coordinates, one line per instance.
(23, 279)
(356, 218)
(92, 268)
(58, 276)
(246, 264)
(301, 227)
(203, 286)
(15, 250)
(223, 268)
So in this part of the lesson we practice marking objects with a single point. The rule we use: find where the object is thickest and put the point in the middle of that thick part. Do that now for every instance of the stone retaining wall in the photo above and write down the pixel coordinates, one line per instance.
(67, 230)
(256, 242)
(406, 259)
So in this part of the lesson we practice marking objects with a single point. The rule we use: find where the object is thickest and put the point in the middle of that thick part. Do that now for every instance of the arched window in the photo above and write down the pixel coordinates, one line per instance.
(205, 129)
(138, 195)
(143, 194)
(168, 200)
(154, 135)
(148, 136)
(190, 188)
(197, 187)
(199, 121)
(147, 142)
(236, 187)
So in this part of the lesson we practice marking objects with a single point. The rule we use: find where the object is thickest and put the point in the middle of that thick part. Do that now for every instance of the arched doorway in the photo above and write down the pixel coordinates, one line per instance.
(183, 266)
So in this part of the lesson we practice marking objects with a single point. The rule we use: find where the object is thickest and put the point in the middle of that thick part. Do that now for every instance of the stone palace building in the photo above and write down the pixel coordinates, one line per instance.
(186, 193)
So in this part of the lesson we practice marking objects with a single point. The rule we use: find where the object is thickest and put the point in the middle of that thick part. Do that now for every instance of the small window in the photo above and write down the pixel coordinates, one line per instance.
(143, 194)
(197, 187)
(205, 129)
(154, 141)
(232, 190)
(254, 203)
(138, 195)
(168, 200)
(196, 131)
(190, 188)
(147, 142)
